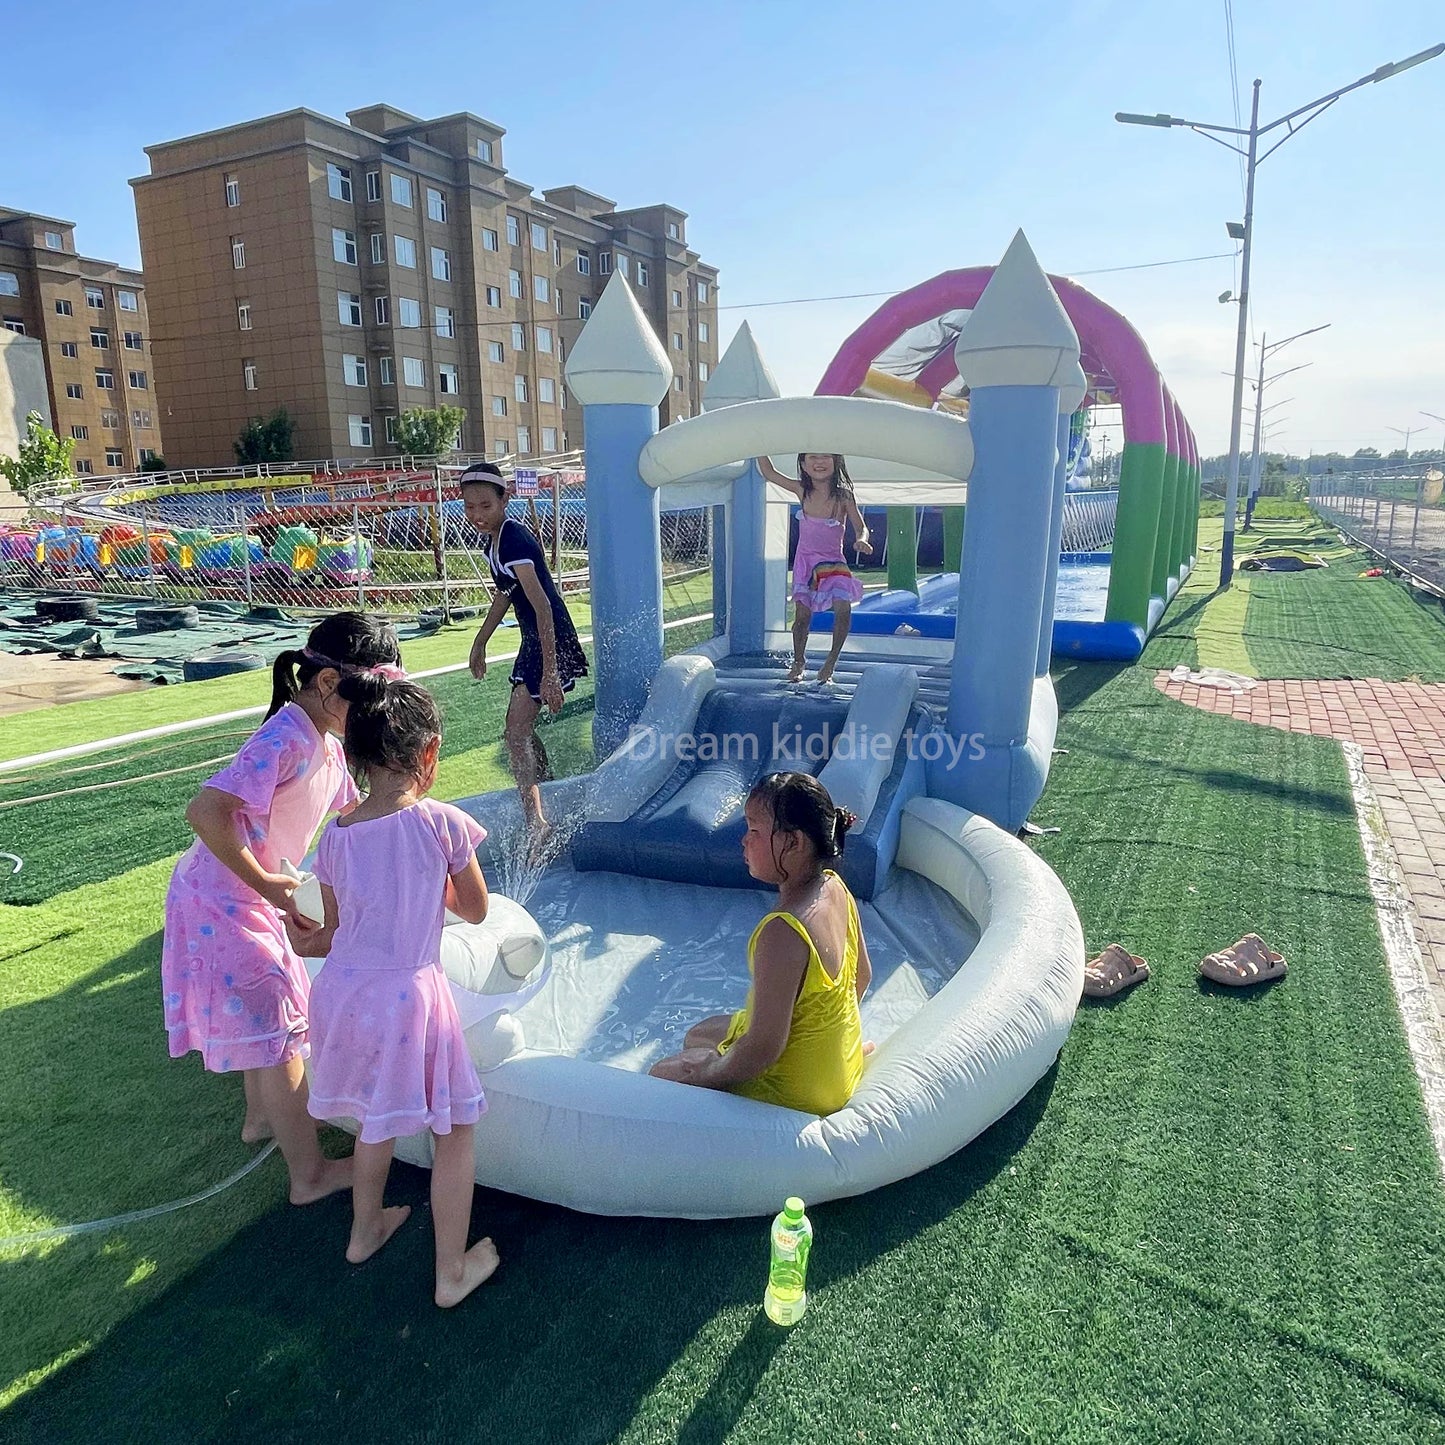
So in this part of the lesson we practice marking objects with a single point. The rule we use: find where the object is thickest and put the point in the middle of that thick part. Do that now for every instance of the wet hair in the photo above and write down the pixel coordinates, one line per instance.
(841, 483)
(388, 724)
(484, 474)
(343, 640)
(799, 803)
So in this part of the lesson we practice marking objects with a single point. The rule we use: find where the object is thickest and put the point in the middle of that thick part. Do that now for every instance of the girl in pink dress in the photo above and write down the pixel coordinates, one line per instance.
(821, 579)
(387, 1046)
(234, 990)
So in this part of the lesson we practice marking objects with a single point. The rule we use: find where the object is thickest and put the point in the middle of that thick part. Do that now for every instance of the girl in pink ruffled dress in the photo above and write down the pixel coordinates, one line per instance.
(387, 1046)
(821, 579)
(234, 989)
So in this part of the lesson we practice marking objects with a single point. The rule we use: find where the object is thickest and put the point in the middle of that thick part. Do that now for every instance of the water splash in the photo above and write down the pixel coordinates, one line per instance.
(520, 858)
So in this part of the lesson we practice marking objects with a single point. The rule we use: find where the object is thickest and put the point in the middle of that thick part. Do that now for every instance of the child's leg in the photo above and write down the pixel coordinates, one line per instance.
(842, 621)
(521, 736)
(802, 621)
(371, 1225)
(459, 1269)
(281, 1093)
(542, 761)
(256, 1127)
(709, 1033)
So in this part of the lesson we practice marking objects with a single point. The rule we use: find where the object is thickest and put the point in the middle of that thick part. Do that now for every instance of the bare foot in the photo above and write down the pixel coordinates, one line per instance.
(825, 674)
(362, 1246)
(540, 842)
(795, 672)
(335, 1174)
(479, 1263)
(255, 1130)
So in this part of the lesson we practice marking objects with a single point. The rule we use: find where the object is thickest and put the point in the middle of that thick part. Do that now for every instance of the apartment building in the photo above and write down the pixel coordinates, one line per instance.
(349, 271)
(90, 318)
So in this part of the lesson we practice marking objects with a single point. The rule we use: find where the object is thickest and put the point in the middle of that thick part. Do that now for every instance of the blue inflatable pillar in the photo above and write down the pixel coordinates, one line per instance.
(718, 517)
(1056, 536)
(619, 371)
(1019, 354)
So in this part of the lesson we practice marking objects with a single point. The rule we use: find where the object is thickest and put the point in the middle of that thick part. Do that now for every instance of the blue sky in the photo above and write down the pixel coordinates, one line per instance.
(823, 149)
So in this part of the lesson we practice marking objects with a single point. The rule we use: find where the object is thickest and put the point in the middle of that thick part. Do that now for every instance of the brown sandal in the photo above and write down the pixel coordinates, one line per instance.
(1113, 971)
(1243, 964)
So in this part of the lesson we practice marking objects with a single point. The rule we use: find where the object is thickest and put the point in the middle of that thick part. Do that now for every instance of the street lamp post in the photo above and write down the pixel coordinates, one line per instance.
(1440, 419)
(1245, 233)
(1265, 348)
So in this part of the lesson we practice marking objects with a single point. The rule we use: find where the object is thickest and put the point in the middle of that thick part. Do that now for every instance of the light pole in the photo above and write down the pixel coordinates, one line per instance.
(1440, 419)
(1245, 234)
(1265, 347)
(1407, 432)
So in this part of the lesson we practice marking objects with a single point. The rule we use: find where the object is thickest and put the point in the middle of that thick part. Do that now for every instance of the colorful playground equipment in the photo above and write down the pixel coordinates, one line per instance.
(941, 746)
(1105, 603)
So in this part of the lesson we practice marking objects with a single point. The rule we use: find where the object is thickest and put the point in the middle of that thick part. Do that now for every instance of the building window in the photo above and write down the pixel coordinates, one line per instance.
(373, 185)
(604, 263)
(558, 295)
(359, 428)
(544, 339)
(15, 324)
(413, 373)
(148, 454)
(499, 406)
(233, 191)
(702, 371)
(441, 264)
(401, 190)
(499, 447)
(446, 322)
(54, 241)
(489, 240)
(100, 338)
(436, 205)
(484, 151)
(94, 296)
(514, 231)
(642, 273)
(83, 467)
(114, 457)
(70, 349)
(676, 382)
(677, 341)
(404, 249)
(238, 254)
(386, 368)
(546, 389)
(704, 332)
(549, 440)
(519, 337)
(519, 387)
(64, 308)
(338, 182)
(496, 351)
(243, 315)
(378, 248)
(111, 420)
(105, 380)
(494, 295)
(541, 290)
(133, 340)
(136, 380)
(391, 430)
(584, 264)
(556, 252)
(622, 264)
(141, 419)
(343, 246)
(383, 310)
(410, 311)
(674, 231)
(73, 390)
(539, 237)
(584, 308)
(353, 369)
(677, 299)
(702, 291)
(126, 300)
(10, 284)
(524, 441)
(447, 381)
(348, 308)
(80, 433)
(514, 283)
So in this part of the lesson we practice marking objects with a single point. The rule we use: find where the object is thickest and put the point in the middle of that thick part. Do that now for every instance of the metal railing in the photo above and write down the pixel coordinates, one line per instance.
(1397, 514)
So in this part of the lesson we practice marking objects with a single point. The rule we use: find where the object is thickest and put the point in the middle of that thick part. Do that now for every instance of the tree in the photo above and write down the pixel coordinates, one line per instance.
(153, 463)
(421, 432)
(266, 439)
(43, 456)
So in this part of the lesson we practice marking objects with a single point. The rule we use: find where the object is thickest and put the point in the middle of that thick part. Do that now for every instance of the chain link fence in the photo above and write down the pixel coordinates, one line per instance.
(1396, 514)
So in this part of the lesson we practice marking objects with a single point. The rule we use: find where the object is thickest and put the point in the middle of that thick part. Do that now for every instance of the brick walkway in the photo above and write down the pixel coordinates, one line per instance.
(1400, 726)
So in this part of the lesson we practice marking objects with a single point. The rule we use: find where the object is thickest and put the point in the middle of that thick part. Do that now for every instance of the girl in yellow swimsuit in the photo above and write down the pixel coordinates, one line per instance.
(798, 1040)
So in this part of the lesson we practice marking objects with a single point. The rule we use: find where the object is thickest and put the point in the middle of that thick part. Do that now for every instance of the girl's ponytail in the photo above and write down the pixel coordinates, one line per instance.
(284, 685)
(843, 819)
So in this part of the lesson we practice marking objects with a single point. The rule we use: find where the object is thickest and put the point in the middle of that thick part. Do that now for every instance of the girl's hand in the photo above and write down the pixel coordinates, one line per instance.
(552, 691)
(301, 935)
(477, 661)
(682, 1068)
(865, 547)
(277, 891)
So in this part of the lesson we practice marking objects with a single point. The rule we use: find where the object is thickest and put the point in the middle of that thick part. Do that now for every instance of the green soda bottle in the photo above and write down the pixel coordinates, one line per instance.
(792, 1235)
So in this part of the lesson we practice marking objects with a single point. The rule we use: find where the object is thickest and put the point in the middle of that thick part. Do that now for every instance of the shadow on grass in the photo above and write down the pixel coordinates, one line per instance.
(275, 1336)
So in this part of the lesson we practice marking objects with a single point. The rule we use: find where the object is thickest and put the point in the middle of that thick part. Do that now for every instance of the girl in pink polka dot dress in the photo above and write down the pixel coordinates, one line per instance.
(387, 1045)
(234, 989)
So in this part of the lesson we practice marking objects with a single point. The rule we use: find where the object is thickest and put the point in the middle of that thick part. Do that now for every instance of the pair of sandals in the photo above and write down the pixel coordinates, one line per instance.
(1241, 965)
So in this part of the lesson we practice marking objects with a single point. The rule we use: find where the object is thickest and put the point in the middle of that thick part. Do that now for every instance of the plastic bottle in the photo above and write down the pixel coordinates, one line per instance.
(792, 1238)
